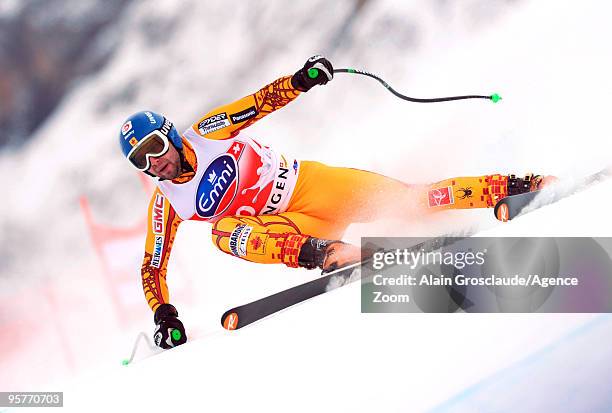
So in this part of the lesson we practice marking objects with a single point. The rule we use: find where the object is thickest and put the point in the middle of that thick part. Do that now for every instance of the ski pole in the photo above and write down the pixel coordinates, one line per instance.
(314, 72)
(144, 337)
(175, 334)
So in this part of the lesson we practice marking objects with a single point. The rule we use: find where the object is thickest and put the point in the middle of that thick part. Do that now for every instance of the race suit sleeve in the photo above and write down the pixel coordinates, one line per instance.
(162, 224)
(226, 121)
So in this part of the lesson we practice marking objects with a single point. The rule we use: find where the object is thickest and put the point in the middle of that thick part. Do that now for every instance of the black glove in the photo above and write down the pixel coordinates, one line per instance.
(316, 71)
(169, 331)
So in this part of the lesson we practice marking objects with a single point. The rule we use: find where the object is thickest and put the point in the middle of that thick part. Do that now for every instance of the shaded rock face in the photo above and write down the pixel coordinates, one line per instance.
(45, 46)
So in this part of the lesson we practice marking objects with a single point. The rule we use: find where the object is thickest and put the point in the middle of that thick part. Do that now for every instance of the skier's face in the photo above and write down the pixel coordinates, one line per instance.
(166, 166)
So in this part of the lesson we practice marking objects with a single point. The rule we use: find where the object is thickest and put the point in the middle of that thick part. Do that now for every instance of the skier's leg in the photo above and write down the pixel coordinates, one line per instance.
(477, 191)
(354, 195)
(327, 199)
(333, 193)
(293, 239)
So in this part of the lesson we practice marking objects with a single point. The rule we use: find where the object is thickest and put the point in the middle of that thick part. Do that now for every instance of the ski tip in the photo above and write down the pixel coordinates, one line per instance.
(230, 321)
(125, 362)
(502, 213)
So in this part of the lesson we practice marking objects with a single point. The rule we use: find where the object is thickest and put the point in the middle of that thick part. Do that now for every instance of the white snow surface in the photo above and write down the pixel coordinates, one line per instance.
(551, 64)
(324, 355)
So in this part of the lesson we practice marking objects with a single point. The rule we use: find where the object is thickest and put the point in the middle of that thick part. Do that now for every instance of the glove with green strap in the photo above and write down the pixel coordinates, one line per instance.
(169, 330)
(316, 71)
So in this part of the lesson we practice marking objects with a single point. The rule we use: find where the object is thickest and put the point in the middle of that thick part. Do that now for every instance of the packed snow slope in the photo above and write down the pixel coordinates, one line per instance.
(324, 355)
(550, 63)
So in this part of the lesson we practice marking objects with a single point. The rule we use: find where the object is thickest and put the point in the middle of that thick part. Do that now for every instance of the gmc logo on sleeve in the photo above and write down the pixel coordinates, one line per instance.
(157, 215)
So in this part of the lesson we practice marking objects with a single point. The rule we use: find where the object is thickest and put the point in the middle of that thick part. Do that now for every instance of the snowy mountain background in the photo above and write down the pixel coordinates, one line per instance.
(181, 58)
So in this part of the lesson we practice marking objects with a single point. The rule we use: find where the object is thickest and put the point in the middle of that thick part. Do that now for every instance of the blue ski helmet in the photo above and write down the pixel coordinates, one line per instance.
(140, 124)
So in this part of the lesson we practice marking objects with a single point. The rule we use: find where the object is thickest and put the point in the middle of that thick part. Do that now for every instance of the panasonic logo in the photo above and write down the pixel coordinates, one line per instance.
(244, 115)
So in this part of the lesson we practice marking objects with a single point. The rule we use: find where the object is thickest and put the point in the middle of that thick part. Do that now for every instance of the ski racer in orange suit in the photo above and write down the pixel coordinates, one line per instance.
(265, 206)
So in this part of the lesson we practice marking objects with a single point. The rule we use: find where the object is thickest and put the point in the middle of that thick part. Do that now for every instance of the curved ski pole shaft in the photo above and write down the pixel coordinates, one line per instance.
(494, 97)
(140, 336)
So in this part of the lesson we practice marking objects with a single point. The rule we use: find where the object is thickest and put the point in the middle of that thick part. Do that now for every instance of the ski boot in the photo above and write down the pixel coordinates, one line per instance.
(515, 185)
(529, 183)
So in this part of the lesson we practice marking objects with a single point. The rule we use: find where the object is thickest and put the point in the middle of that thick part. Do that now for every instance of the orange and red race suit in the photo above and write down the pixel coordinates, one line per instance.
(263, 204)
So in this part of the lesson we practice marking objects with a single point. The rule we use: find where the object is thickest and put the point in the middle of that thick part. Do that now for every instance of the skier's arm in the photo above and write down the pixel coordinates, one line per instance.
(227, 121)
(162, 224)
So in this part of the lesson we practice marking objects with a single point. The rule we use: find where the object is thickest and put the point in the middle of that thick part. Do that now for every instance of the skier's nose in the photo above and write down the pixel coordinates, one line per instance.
(155, 163)
(154, 160)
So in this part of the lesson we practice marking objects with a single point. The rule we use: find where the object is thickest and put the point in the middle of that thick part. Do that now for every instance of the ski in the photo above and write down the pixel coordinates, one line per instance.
(246, 314)
(512, 206)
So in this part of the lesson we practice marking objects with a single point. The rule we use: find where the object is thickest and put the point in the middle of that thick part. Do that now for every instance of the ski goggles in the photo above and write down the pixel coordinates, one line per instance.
(151, 146)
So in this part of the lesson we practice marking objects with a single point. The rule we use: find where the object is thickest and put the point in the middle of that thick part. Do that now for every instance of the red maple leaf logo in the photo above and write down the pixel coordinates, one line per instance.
(256, 242)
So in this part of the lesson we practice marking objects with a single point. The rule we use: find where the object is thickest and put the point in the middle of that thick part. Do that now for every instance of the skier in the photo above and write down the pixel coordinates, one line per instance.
(267, 207)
